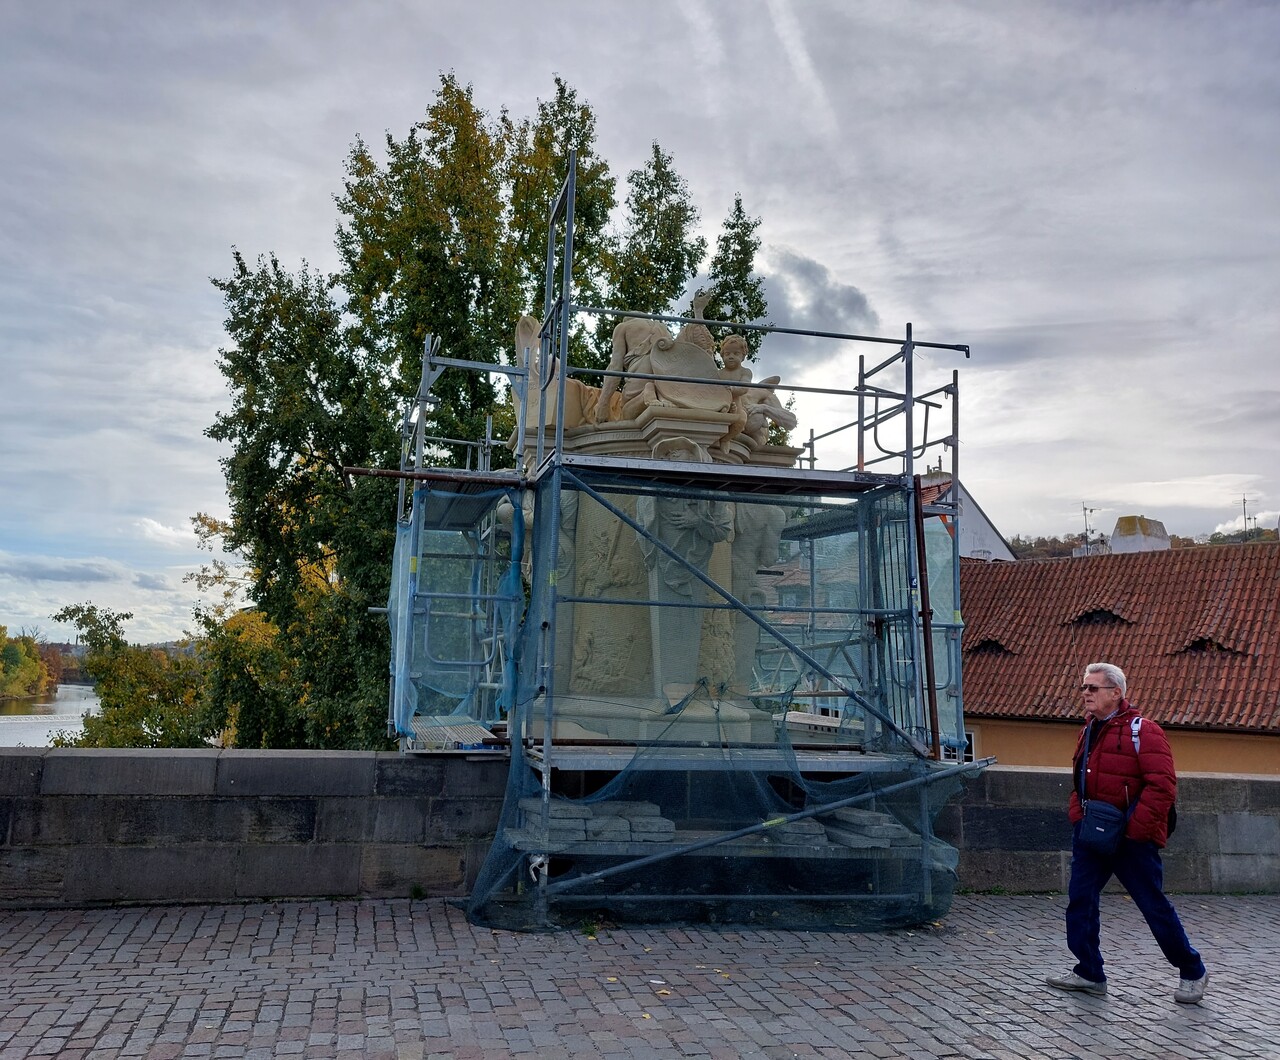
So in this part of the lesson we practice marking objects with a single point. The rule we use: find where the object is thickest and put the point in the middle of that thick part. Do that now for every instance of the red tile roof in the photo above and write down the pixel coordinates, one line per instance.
(1196, 631)
(933, 486)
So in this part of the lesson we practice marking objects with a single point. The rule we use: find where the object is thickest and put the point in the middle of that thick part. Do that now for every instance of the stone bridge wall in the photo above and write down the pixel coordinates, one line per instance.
(83, 827)
(1011, 827)
(89, 827)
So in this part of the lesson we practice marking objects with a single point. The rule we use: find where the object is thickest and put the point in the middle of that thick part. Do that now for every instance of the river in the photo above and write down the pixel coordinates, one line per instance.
(34, 722)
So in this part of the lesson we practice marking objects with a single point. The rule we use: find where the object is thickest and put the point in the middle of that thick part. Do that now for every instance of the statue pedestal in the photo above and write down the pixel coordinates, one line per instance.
(658, 422)
(773, 455)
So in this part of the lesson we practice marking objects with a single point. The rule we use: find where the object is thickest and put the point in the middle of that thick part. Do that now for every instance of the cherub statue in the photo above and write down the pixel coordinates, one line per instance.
(733, 351)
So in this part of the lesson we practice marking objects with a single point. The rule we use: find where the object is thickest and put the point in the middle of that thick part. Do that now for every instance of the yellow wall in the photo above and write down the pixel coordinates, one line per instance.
(1040, 743)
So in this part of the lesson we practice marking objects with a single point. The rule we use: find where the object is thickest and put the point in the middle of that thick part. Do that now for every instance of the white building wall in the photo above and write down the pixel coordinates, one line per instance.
(1137, 533)
(979, 539)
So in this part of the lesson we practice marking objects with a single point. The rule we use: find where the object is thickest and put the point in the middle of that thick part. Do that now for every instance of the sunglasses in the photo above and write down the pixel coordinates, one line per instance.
(1094, 688)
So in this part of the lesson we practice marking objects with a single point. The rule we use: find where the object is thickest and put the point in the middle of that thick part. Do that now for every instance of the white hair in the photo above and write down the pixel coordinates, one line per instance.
(1112, 672)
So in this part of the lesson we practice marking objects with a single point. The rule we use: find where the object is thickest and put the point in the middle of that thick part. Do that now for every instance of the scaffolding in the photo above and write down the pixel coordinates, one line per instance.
(726, 670)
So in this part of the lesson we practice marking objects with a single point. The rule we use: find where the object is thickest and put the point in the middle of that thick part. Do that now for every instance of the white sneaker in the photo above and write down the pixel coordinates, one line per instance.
(1071, 981)
(1191, 991)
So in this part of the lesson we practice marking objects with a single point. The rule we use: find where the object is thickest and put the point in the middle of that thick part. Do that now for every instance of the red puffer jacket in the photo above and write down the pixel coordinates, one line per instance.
(1146, 779)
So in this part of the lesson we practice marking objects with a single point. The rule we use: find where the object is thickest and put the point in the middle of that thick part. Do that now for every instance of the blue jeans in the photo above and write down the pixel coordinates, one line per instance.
(1138, 867)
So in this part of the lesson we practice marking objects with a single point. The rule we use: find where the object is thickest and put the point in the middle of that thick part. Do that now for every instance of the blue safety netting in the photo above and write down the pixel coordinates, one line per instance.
(455, 606)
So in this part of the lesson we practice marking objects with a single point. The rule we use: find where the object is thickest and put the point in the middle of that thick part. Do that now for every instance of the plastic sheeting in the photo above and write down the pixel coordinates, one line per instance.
(455, 606)
(730, 729)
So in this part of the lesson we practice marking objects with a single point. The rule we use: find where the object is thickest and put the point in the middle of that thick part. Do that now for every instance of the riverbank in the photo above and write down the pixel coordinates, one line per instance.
(36, 720)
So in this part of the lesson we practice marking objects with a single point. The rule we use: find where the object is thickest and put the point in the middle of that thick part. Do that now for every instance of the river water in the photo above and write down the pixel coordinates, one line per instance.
(34, 722)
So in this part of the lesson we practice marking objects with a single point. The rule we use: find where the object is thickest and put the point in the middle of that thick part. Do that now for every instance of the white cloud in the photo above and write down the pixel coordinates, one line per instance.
(171, 536)
(791, 36)
(35, 569)
(1264, 520)
(1181, 492)
(34, 587)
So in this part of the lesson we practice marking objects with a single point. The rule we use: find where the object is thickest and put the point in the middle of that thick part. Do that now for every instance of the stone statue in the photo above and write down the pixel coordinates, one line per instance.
(690, 394)
(646, 347)
(690, 528)
(763, 407)
(579, 398)
(632, 341)
(757, 532)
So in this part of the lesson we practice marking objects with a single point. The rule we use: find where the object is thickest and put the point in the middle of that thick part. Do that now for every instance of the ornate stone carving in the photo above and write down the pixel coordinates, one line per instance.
(638, 657)
(689, 529)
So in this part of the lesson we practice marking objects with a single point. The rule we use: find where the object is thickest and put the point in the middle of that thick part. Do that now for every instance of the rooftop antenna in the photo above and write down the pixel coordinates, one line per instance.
(1088, 547)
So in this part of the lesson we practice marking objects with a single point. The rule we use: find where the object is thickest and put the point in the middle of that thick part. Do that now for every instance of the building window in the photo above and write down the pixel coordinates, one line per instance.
(951, 754)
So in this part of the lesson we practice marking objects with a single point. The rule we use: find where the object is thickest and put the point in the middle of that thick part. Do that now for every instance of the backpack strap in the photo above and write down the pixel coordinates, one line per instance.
(1135, 731)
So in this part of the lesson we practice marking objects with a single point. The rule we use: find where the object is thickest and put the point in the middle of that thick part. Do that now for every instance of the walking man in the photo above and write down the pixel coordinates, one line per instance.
(1123, 759)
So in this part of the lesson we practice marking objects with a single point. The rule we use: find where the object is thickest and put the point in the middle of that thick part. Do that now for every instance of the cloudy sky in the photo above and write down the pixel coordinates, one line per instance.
(1086, 193)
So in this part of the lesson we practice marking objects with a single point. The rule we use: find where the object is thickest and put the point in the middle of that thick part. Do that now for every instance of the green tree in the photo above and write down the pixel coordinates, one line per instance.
(250, 687)
(149, 697)
(251, 683)
(316, 540)
(421, 247)
(737, 291)
(658, 252)
(538, 162)
(22, 670)
(1044, 547)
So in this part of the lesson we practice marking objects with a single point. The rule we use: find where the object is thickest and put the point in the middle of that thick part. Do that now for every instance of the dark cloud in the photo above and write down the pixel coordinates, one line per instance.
(1079, 343)
(52, 569)
(156, 582)
(804, 293)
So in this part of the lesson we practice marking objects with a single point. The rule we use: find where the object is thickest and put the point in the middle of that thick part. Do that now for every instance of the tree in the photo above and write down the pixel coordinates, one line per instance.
(251, 683)
(737, 292)
(51, 656)
(308, 403)
(1044, 547)
(306, 406)
(23, 672)
(658, 252)
(443, 232)
(421, 247)
(149, 697)
(250, 688)
(1236, 537)
(537, 166)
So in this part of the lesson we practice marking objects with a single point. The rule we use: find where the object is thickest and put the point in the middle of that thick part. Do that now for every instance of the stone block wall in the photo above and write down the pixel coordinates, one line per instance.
(1011, 827)
(87, 827)
(90, 827)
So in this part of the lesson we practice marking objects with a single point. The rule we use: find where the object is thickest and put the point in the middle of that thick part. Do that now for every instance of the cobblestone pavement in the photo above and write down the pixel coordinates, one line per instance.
(401, 979)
